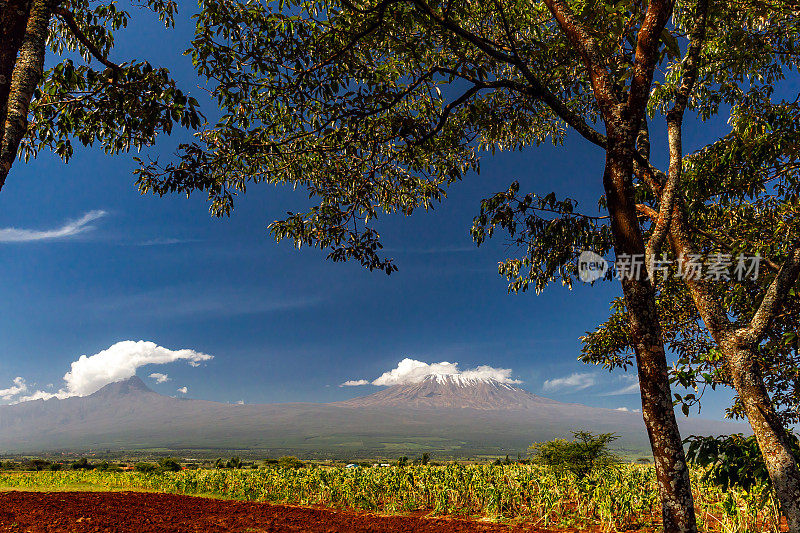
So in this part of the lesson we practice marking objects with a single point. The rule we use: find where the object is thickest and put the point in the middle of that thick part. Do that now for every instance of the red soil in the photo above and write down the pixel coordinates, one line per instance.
(136, 512)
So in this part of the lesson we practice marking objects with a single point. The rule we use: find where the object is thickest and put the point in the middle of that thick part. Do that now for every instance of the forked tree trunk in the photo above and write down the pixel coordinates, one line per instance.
(672, 473)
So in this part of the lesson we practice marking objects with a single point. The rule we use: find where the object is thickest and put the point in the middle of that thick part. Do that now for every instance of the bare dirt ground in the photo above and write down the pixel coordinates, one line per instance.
(138, 512)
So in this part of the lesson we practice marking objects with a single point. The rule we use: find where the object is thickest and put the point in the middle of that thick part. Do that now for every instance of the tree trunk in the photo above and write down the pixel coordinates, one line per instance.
(740, 358)
(672, 473)
(27, 70)
(772, 437)
(13, 19)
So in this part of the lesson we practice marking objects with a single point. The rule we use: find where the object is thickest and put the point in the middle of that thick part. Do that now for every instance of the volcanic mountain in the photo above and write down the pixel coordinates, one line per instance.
(452, 391)
(450, 416)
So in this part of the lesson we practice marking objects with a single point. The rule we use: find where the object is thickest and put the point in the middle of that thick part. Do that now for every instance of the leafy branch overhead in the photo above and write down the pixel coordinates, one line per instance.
(373, 108)
(120, 106)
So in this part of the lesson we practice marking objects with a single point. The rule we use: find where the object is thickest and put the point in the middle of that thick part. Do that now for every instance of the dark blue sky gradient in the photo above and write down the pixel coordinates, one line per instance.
(284, 325)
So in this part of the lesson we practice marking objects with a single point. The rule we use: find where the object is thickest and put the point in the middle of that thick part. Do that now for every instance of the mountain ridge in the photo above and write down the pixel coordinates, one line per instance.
(128, 415)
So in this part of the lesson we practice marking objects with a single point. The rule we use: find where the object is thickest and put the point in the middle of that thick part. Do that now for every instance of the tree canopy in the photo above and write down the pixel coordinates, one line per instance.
(85, 96)
(377, 107)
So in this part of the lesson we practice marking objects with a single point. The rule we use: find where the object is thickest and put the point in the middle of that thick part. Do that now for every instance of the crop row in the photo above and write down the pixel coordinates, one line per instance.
(618, 498)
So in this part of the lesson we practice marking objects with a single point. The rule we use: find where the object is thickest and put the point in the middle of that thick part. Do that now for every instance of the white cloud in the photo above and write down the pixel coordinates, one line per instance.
(412, 371)
(631, 388)
(16, 389)
(183, 390)
(626, 410)
(354, 383)
(575, 381)
(70, 228)
(117, 363)
(41, 395)
(159, 377)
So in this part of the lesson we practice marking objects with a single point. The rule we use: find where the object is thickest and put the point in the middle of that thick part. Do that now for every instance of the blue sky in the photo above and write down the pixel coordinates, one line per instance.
(282, 325)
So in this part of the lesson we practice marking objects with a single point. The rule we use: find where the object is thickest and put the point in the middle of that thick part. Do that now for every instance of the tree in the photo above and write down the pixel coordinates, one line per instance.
(145, 468)
(584, 454)
(290, 461)
(168, 464)
(120, 106)
(378, 106)
(81, 464)
(739, 196)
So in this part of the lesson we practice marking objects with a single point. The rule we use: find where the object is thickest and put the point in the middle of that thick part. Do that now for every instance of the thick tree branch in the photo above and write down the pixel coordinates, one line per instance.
(689, 67)
(69, 20)
(691, 61)
(646, 56)
(13, 17)
(773, 299)
(588, 50)
(668, 196)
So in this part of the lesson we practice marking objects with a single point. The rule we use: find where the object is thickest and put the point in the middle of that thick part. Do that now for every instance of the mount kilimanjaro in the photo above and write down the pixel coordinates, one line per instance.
(448, 415)
(452, 391)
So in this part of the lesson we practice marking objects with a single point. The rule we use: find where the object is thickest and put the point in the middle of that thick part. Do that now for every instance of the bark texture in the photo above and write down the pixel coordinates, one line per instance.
(672, 473)
(738, 346)
(622, 118)
(773, 440)
(13, 20)
(22, 54)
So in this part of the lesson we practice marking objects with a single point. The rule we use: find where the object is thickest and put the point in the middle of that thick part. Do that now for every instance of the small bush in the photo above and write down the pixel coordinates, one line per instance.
(584, 454)
(145, 468)
(290, 461)
(81, 464)
(168, 464)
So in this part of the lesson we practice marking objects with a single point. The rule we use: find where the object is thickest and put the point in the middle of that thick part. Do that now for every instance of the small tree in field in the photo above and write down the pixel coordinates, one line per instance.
(82, 464)
(145, 468)
(168, 464)
(290, 461)
(582, 455)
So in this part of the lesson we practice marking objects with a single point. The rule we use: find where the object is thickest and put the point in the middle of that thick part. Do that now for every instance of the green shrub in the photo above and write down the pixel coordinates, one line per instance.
(37, 464)
(732, 460)
(145, 468)
(168, 464)
(81, 464)
(582, 455)
(290, 461)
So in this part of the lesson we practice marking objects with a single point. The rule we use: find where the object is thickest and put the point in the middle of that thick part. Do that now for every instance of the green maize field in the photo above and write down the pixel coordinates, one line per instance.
(620, 498)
